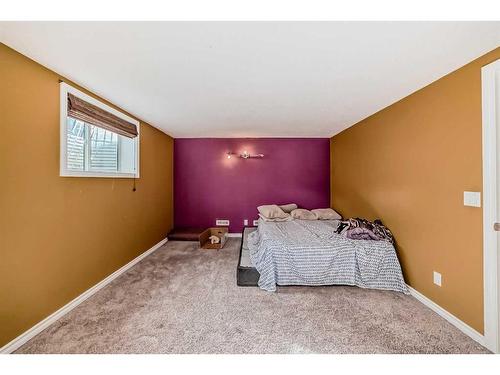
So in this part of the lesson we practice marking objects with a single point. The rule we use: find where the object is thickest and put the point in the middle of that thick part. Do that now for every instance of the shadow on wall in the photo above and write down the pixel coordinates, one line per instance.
(352, 199)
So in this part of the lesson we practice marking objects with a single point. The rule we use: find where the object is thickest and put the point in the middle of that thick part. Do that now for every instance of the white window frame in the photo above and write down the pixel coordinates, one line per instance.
(63, 168)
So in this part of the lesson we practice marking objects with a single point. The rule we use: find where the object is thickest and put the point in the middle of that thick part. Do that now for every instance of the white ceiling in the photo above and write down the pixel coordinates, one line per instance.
(252, 79)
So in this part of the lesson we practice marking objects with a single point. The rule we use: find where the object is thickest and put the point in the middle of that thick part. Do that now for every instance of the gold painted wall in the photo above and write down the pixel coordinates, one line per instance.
(61, 235)
(409, 165)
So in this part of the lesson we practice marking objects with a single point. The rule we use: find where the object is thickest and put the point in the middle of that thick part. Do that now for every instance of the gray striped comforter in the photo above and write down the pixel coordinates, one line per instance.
(303, 252)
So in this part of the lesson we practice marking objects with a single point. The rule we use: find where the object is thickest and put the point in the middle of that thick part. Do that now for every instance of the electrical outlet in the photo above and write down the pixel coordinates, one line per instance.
(222, 222)
(245, 222)
(255, 223)
(437, 278)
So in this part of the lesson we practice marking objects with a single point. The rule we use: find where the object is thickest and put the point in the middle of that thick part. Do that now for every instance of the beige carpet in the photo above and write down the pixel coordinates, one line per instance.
(184, 300)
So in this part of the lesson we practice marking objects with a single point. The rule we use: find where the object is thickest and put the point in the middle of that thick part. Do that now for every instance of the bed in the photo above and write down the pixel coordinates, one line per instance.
(309, 252)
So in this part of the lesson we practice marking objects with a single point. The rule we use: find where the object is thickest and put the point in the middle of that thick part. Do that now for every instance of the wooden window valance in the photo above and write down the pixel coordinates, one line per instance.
(81, 110)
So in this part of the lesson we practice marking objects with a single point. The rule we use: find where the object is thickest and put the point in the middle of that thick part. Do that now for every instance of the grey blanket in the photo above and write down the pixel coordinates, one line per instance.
(303, 252)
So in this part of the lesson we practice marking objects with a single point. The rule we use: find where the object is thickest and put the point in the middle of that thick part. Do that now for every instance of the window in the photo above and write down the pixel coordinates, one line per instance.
(96, 140)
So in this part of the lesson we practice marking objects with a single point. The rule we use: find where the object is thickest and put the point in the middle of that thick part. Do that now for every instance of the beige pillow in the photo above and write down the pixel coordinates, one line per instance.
(288, 207)
(271, 211)
(303, 214)
(326, 214)
(278, 219)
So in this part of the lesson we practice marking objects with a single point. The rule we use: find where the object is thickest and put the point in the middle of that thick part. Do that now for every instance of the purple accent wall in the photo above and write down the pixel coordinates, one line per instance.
(209, 186)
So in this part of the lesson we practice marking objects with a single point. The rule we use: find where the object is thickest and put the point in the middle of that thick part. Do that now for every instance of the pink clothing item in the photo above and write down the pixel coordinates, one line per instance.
(361, 234)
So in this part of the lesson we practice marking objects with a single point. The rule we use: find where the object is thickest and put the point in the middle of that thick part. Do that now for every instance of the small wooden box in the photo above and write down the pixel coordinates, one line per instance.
(219, 232)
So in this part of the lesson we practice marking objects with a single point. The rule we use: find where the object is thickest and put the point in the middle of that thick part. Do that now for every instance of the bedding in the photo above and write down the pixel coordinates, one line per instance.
(303, 252)
(303, 214)
(326, 214)
(287, 217)
(288, 207)
(361, 234)
(357, 228)
(271, 211)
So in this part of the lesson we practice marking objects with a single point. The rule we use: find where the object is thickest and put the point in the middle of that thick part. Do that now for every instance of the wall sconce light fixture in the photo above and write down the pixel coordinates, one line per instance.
(245, 155)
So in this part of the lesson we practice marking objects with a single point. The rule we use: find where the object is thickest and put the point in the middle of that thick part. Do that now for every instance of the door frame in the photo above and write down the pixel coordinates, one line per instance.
(489, 74)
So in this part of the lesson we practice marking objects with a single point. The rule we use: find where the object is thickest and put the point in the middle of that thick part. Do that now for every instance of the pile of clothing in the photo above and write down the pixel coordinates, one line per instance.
(362, 229)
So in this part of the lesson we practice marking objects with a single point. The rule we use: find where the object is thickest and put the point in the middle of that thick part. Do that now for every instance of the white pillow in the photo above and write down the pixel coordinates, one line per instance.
(288, 207)
(303, 214)
(271, 211)
(326, 214)
(287, 218)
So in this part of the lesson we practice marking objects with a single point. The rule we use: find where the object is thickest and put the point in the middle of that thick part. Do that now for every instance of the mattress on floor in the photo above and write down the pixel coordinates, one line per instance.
(310, 252)
(246, 274)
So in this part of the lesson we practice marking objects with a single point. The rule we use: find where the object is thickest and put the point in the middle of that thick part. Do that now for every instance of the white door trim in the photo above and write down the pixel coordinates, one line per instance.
(490, 249)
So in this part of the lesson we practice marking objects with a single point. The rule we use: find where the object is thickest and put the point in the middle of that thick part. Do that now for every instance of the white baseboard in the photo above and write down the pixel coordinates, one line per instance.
(234, 235)
(39, 327)
(468, 330)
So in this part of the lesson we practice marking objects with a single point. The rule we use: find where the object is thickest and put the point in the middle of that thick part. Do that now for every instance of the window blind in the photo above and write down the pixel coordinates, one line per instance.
(81, 110)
